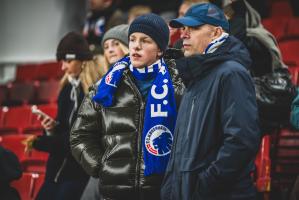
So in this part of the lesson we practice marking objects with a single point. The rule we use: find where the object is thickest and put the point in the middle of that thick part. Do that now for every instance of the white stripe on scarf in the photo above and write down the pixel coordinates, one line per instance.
(214, 45)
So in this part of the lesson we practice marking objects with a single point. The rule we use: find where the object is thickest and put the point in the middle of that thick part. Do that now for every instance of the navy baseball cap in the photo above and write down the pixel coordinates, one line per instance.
(200, 14)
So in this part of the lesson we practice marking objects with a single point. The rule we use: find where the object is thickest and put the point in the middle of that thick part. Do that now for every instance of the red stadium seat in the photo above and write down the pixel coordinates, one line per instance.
(20, 93)
(51, 70)
(281, 9)
(290, 51)
(26, 72)
(263, 166)
(47, 92)
(285, 158)
(294, 71)
(15, 143)
(277, 26)
(29, 185)
(293, 27)
(14, 119)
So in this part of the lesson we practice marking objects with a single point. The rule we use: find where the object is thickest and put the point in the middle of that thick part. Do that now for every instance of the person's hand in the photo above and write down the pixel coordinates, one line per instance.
(48, 123)
(28, 142)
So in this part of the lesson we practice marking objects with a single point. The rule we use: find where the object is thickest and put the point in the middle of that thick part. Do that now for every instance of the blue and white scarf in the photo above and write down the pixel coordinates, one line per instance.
(160, 110)
(214, 45)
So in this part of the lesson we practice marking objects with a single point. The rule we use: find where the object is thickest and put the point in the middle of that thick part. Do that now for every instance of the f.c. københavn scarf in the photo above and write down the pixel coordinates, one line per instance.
(160, 110)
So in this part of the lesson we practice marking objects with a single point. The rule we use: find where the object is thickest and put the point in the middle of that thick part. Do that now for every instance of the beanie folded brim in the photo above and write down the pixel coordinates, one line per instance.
(73, 56)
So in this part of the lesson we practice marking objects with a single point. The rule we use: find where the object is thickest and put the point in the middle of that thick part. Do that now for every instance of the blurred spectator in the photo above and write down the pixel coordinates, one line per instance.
(261, 6)
(175, 40)
(295, 7)
(65, 179)
(115, 45)
(186, 4)
(103, 15)
(157, 6)
(136, 11)
(10, 169)
(245, 24)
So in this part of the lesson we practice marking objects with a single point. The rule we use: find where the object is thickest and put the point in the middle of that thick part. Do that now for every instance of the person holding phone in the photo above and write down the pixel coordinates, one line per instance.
(65, 179)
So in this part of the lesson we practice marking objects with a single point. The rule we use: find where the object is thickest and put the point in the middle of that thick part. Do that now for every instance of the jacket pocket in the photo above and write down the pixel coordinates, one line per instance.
(189, 171)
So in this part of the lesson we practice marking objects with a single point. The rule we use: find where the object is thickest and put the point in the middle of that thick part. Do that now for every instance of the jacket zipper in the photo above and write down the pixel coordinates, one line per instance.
(190, 117)
(60, 170)
(140, 129)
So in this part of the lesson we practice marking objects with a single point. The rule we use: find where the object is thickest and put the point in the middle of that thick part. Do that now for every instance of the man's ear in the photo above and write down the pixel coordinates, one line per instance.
(218, 32)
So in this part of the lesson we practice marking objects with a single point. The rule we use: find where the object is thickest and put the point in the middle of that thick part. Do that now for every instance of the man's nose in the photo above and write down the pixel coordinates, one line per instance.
(184, 34)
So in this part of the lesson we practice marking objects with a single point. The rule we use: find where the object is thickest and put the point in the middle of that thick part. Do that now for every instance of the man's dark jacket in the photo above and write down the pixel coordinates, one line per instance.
(217, 134)
(107, 141)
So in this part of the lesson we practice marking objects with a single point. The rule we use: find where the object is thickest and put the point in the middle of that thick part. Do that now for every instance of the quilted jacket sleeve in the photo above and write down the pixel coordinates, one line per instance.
(85, 136)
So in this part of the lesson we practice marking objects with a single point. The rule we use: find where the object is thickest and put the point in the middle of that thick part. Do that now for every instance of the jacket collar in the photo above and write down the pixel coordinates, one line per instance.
(198, 66)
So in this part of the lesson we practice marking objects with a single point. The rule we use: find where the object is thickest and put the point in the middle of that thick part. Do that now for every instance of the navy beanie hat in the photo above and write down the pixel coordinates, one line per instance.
(154, 26)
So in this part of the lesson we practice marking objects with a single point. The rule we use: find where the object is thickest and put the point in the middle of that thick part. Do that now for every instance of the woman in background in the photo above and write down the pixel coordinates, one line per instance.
(65, 179)
(115, 46)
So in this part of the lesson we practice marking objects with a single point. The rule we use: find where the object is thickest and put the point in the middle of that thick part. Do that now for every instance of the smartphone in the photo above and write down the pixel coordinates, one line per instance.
(37, 111)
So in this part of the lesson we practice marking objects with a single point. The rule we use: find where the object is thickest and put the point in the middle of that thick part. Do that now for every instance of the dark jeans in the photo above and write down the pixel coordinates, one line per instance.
(66, 190)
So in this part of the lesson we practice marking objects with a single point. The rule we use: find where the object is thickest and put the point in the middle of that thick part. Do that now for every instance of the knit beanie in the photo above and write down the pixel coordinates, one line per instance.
(73, 46)
(154, 26)
(119, 32)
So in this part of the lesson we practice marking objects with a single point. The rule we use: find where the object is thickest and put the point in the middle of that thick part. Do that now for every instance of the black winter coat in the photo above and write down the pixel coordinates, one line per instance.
(61, 165)
(10, 169)
(107, 141)
(217, 133)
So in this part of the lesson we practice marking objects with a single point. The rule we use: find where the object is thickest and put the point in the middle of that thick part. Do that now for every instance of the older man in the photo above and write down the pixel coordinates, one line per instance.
(217, 133)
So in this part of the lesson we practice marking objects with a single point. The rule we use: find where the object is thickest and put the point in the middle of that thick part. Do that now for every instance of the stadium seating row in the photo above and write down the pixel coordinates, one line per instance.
(290, 51)
(42, 71)
(283, 27)
(29, 92)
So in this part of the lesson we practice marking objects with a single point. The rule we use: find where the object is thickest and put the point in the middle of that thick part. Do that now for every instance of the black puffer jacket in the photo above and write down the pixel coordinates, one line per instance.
(107, 141)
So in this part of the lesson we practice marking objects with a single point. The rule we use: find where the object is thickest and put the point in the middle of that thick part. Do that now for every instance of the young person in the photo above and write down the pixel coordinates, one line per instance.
(123, 132)
(115, 46)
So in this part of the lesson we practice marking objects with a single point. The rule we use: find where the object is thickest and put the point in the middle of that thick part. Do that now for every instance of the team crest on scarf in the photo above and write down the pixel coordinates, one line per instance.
(109, 77)
(158, 140)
